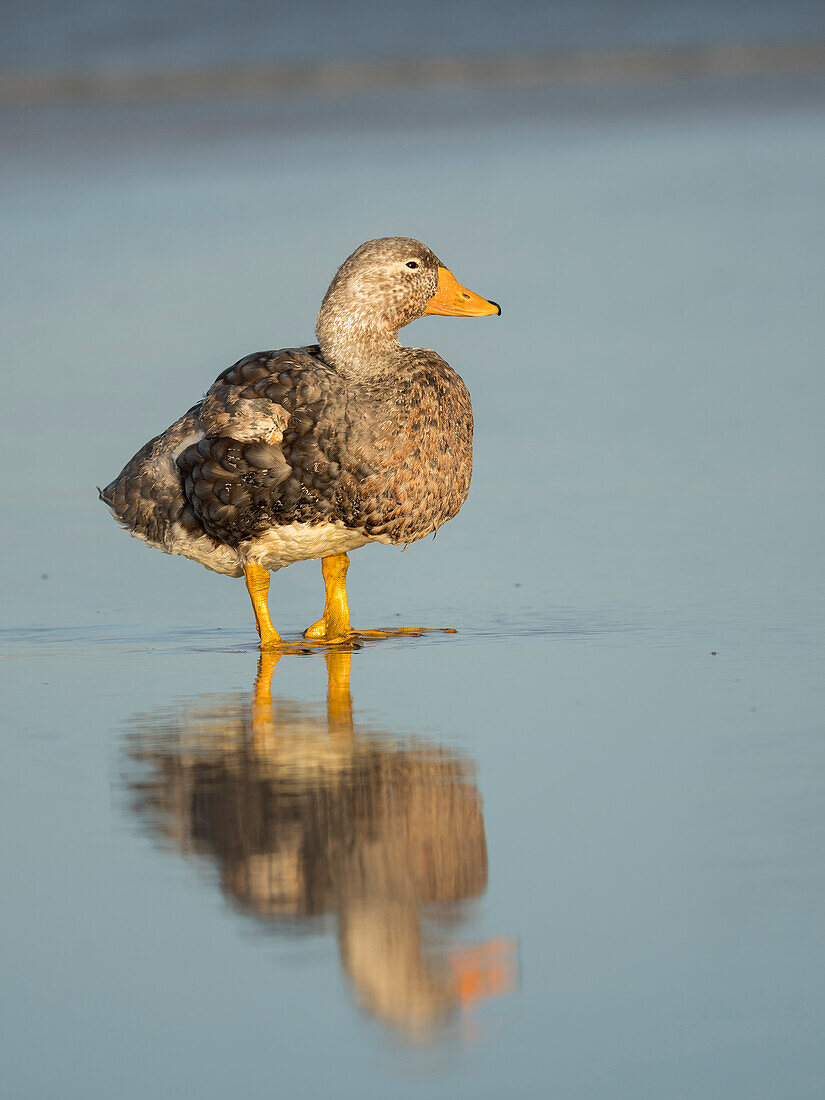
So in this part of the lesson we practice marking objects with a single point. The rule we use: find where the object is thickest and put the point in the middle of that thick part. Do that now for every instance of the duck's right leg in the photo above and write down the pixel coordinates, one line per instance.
(257, 584)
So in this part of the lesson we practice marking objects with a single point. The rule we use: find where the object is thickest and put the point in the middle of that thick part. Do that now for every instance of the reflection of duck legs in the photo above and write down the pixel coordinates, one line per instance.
(306, 816)
(339, 700)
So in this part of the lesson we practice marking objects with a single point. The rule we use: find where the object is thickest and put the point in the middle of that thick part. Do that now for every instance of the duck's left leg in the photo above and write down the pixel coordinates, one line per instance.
(335, 625)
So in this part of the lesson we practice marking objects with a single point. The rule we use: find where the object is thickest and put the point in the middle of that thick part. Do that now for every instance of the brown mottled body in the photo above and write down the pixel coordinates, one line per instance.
(281, 438)
(388, 456)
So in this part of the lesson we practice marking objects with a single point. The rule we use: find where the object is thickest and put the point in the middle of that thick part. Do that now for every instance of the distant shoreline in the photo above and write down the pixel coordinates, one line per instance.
(744, 59)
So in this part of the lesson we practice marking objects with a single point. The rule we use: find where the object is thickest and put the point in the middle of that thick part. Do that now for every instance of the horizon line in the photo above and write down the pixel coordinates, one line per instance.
(727, 60)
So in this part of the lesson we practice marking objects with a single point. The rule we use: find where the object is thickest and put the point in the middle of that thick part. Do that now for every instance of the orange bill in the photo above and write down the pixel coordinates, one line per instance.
(451, 299)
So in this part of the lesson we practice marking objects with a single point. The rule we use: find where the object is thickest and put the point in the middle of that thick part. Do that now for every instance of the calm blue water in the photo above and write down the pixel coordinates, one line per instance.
(575, 849)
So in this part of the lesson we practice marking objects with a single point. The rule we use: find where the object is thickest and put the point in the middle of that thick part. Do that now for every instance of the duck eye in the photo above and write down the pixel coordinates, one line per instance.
(411, 263)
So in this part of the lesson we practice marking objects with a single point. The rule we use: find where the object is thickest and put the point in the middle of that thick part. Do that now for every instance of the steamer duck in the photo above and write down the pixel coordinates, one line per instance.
(312, 452)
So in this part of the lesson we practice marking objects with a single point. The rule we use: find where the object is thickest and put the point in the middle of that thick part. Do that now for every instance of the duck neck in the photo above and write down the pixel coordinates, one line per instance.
(357, 346)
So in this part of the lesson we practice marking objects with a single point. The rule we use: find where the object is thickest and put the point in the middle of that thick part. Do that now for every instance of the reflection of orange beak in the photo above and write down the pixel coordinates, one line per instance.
(485, 970)
(451, 299)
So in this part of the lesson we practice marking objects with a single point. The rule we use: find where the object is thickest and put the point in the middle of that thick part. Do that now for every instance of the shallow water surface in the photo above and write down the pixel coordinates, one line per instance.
(575, 849)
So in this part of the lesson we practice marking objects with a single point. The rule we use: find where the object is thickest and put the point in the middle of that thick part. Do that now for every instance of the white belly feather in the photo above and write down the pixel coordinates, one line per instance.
(281, 546)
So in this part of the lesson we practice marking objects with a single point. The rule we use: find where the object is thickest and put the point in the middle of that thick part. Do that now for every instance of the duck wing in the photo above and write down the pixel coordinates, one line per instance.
(270, 455)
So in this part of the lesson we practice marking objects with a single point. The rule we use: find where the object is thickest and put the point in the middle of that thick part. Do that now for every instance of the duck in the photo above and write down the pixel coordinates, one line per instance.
(308, 453)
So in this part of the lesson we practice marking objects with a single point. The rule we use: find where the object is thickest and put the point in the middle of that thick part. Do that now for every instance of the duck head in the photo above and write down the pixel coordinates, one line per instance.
(382, 286)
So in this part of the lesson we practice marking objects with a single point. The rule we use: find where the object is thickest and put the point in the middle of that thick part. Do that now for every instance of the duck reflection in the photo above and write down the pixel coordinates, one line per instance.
(306, 815)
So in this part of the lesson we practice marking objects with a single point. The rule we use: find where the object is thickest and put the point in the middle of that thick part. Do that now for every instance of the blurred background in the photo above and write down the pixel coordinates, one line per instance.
(616, 764)
(93, 38)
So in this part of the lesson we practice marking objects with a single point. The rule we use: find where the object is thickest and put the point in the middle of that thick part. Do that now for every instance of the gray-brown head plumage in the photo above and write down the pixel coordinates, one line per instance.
(382, 286)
